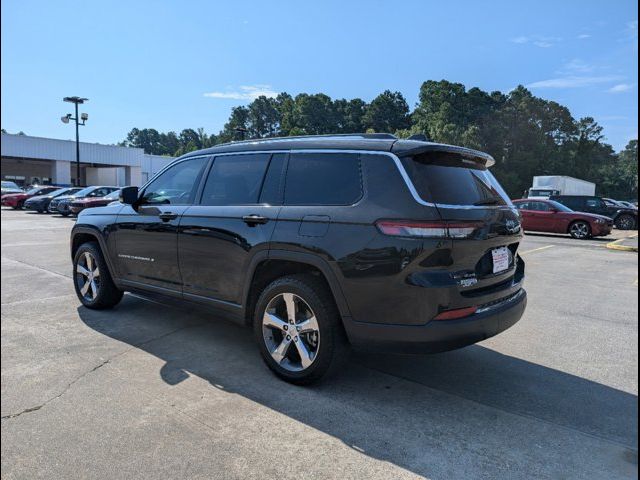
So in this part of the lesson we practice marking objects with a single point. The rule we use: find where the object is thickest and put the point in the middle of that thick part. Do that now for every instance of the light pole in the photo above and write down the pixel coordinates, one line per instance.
(84, 117)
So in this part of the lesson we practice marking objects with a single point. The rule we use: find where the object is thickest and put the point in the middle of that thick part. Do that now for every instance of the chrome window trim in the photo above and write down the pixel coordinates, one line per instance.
(393, 156)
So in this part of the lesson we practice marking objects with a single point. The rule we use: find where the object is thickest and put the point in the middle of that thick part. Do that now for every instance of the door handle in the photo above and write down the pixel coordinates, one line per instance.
(253, 220)
(166, 216)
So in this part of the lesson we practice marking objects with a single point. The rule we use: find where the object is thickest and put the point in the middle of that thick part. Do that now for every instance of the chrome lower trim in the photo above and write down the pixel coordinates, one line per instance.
(511, 299)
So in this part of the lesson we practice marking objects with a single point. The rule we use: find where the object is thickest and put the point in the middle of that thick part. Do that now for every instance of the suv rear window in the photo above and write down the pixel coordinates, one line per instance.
(323, 179)
(449, 179)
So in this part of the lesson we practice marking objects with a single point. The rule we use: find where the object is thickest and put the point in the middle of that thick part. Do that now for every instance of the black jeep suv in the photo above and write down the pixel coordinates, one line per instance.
(318, 243)
(624, 218)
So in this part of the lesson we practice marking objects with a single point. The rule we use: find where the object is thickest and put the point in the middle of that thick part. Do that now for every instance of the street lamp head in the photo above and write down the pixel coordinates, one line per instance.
(77, 100)
(84, 117)
(65, 118)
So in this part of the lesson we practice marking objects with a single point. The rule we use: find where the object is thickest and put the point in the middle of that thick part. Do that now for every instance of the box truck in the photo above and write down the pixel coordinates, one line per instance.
(545, 186)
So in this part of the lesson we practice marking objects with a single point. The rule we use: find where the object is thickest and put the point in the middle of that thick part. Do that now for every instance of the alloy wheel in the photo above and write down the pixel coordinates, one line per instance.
(625, 222)
(88, 277)
(580, 230)
(290, 332)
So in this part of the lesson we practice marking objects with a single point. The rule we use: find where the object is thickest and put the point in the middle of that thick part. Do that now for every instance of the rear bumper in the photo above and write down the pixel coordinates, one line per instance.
(438, 336)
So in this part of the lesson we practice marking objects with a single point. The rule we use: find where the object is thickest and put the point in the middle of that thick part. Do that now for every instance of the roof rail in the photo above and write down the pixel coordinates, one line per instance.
(372, 136)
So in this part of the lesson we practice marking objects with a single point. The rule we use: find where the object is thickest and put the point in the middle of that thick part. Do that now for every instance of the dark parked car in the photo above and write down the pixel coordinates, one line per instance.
(62, 204)
(16, 200)
(41, 203)
(318, 242)
(623, 218)
(540, 215)
(627, 204)
(80, 204)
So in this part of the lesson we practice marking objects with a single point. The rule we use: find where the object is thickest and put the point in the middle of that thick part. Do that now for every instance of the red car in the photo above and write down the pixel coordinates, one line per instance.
(87, 202)
(548, 216)
(16, 200)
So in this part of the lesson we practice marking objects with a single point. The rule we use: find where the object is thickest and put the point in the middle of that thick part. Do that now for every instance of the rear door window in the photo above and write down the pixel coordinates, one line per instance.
(235, 180)
(449, 179)
(323, 179)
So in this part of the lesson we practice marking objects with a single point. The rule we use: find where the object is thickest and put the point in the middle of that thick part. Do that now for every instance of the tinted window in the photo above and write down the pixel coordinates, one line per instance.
(323, 179)
(449, 179)
(539, 207)
(274, 181)
(522, 205)
(176, 185)
(100, 192)
(595, 203)
(573, 203)
(558, 206)
(235, 180)
(115, 195)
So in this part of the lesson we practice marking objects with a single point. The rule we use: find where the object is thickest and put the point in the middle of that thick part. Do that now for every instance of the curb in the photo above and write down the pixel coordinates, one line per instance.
(615, 245)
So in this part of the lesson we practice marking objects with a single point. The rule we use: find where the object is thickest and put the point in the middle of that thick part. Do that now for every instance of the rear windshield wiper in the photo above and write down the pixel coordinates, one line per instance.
(488, 201)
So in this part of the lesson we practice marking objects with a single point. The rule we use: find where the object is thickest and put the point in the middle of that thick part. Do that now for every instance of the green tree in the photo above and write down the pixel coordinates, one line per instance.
(315, 114)
(388, 112)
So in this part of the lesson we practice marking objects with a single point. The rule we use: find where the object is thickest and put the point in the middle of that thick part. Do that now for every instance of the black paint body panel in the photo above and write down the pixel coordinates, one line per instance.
(388, 289)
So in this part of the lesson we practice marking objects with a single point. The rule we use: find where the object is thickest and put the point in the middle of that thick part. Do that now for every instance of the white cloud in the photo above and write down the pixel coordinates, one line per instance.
(583, 36)
(620, 88)
(537, 40)
(574, 81)
(245, 92)
(577, 66)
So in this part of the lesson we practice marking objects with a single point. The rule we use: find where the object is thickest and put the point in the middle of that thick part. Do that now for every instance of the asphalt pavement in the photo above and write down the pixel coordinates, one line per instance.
(151, 391)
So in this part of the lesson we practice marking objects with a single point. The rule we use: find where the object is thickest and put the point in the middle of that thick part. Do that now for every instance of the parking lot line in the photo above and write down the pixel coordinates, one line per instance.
(537, 249)
(616, 245)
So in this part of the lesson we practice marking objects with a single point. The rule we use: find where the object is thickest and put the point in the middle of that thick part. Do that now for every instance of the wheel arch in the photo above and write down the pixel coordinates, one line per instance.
(83, 234)
(267, 266)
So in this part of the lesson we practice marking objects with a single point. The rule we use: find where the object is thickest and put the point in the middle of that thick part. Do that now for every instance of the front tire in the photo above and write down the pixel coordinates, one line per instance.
(92, 280)
(580, 230)
(625, 222)
(299, 330)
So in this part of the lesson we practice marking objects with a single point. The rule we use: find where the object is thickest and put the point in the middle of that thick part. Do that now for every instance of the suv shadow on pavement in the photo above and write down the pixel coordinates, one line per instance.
(483, 414)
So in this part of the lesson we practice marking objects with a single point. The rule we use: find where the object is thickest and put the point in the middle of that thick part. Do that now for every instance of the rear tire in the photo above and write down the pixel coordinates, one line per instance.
(92, 280)
(317, 346)
(626, 222)
(580, 230)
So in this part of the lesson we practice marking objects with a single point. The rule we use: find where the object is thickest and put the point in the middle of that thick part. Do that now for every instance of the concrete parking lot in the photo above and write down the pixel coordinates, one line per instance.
(151, 391)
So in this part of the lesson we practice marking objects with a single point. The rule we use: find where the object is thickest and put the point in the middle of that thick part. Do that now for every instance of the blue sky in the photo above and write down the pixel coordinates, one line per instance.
(172, 65)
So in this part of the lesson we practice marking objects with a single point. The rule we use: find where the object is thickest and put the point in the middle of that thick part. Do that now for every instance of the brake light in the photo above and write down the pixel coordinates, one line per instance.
(432, 229)
(457, 313)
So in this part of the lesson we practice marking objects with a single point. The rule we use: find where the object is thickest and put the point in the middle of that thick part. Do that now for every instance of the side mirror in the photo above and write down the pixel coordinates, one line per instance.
(129, 195)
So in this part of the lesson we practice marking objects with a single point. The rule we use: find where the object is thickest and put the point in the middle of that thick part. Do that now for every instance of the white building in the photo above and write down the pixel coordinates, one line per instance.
(35, 160)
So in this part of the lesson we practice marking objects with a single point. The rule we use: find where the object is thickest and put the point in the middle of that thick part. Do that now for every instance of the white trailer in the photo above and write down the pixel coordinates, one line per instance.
(545, 186)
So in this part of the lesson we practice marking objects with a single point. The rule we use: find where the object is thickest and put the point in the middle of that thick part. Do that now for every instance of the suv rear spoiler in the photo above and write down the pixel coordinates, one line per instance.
(407, 148)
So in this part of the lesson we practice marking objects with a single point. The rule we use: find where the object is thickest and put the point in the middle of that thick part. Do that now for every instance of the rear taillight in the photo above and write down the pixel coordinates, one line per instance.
(431, 229)
(457, 313)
